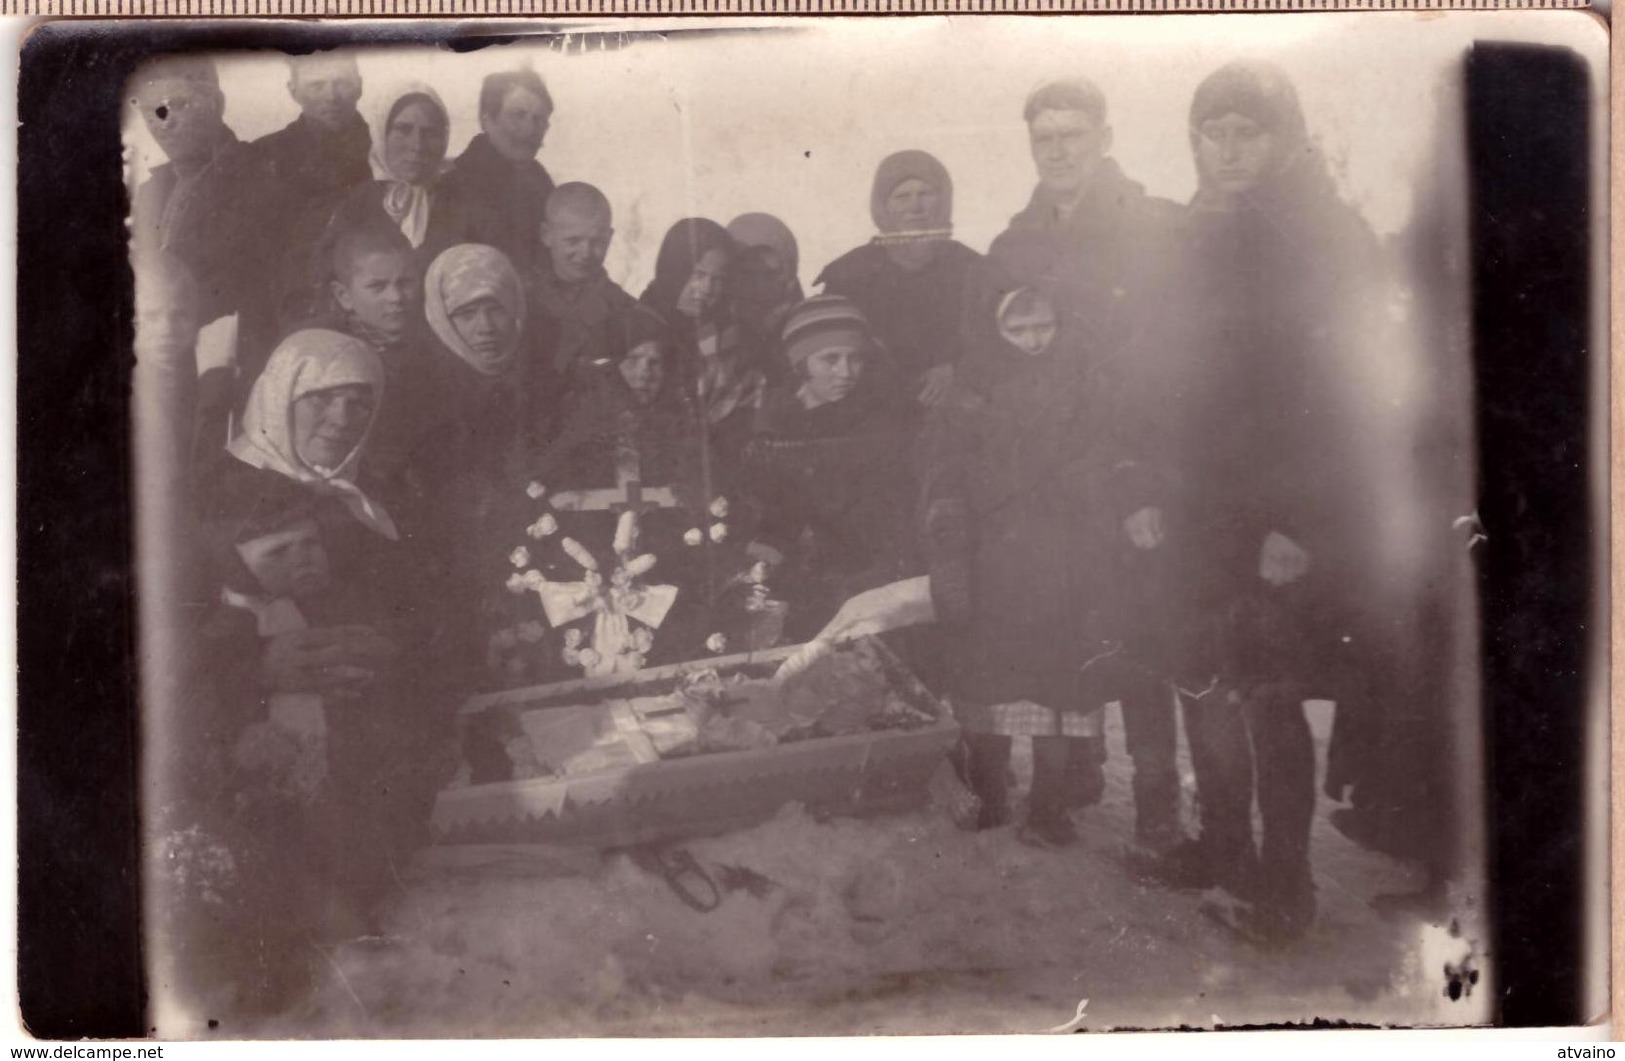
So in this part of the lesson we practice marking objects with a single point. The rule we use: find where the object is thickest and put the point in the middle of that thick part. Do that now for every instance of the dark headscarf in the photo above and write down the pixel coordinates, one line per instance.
(896, 168)
(685, 244)
(1253, 90)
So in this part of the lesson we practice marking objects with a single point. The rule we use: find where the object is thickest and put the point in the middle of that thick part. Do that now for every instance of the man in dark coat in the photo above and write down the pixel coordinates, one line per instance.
(1095, 239)
(313, 159)
(499, 165)
(190, 206)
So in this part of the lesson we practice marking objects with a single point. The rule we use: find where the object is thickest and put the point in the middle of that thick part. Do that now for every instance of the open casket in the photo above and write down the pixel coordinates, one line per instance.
(616, 768)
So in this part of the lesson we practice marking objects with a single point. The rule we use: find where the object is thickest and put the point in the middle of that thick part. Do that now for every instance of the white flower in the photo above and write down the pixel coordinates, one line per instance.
(516, 583)
(578, 552)
(533, 579)
(531, 631)
(635, 660)
(519, 557)
(572, 638)
(626, 532)
(719, 508)
(719, 531)
(643, 639)
(571, 657)
(639, 565)
(543, 527)
(716, 644)
(693, 536)
(593, 581)
(589, 657)
(535, 490)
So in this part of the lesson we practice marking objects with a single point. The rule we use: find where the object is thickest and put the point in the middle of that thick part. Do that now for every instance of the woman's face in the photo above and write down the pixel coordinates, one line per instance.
(1233, 153)
(644, 370)
(1030, 329)
(704, 288)
(329, 424)
(912, 204)
(833, 373)
(486, 326)
(415, 143)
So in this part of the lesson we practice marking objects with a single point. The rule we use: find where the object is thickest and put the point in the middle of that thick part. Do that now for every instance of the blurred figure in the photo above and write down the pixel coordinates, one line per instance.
(767, 288)
(191, 205)
(1252, 387)
(499, 165)
(689, 293)
(313, 159)
(910, 279)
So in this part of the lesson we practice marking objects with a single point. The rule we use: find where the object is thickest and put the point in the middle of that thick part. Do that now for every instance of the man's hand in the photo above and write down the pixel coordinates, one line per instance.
(935, 385)
(1282, 560)
(1144, 528)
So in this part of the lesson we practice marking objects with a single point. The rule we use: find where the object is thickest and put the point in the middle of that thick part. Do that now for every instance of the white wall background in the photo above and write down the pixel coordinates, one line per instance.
(793, 122)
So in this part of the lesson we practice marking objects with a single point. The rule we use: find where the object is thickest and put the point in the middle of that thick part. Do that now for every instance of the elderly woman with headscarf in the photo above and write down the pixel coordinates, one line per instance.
(766, 286)
(689, 293)
(910, 280)
(832, 518)
(1252, 387)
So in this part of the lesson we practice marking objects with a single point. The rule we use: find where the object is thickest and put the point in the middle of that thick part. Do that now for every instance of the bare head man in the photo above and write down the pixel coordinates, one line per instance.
(326, 86)
(515, 112)
(577, 231)
(1067, 130)
(181, 103)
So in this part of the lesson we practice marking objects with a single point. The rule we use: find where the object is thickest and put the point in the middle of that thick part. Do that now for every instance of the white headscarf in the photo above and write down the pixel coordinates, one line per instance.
(306, 362)
(464, 274)
(407, 204)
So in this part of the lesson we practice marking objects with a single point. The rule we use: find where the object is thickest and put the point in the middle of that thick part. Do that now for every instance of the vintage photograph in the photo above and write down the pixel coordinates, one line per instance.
(812, 527)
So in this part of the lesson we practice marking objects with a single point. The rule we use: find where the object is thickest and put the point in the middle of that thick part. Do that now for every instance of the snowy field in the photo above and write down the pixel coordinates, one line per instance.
(901, 924)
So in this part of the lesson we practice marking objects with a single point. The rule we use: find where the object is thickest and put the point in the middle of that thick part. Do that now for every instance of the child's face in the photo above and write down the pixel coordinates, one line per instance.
(644, 370)
(288, 563)
(1031, 329)
(383, 291)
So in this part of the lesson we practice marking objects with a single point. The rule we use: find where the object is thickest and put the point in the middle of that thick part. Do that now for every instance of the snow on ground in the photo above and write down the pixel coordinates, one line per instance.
(901, 924)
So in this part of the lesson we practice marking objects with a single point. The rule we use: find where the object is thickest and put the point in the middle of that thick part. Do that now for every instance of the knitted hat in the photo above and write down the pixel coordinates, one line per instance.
(821, 322)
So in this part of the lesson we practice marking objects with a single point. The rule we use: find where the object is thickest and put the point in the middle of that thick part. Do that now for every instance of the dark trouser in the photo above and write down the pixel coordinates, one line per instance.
(1234, 737)
(1150, 730)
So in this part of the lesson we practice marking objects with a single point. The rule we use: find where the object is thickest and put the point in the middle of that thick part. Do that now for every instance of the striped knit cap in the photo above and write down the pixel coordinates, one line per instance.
(821, 322)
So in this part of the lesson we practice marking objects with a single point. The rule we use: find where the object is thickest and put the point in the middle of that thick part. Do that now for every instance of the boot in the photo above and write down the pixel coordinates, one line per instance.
(987, 768)
(1084, 781)
(1047, 822)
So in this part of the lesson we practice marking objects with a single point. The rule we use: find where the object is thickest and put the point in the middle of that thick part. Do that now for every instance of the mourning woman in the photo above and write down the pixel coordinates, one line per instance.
(910, 280)
(471, 446)
(1250, 384)
(689, 293)
(310, 637)
(835, 512)
(766, 288)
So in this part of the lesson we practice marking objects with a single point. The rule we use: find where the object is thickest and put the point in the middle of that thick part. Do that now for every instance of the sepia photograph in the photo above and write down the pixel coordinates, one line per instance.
(815, 527)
